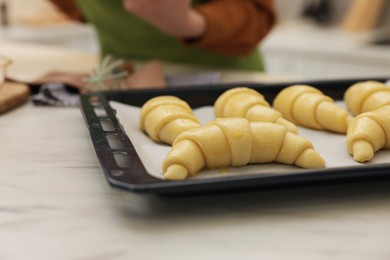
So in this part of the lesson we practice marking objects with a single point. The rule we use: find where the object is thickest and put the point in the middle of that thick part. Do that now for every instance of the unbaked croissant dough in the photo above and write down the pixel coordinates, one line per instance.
(165, 117)
(248, 103)
(309, 107)
(367, 96)
(368, 133)
(237, 142)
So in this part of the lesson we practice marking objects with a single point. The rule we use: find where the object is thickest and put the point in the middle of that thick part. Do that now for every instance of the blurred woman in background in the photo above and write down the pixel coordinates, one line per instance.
(216, 33)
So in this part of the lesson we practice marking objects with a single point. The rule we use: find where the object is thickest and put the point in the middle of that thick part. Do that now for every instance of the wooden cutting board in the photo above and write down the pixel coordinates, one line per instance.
(13, 95)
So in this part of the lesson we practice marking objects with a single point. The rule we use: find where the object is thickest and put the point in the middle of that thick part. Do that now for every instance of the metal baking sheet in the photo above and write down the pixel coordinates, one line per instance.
(124, 166)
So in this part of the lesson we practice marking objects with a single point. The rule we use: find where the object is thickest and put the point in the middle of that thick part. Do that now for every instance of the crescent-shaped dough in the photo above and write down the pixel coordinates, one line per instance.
(309, 107)
(165, 117)
(368, 133)
(366, 96)
(237, 142)
(250, 104)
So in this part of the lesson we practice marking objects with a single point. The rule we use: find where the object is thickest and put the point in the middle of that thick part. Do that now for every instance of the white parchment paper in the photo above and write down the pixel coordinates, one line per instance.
(332, 147)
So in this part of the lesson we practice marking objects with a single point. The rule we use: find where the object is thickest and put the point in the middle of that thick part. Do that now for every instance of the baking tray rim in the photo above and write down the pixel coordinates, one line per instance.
(142, 182)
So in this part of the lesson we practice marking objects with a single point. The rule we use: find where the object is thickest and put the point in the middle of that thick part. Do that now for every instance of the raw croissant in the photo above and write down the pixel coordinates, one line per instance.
(165, 117)
(309, 107)
(248, 103)
(368, 133)
(366, 96)
(237, 142)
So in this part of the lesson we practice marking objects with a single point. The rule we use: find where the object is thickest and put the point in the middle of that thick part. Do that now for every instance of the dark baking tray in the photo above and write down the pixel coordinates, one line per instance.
(124, 169)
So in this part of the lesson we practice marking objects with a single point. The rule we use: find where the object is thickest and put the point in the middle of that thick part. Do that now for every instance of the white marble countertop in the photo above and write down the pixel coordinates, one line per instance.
(56, 204)
(301, 37)
(309, 51)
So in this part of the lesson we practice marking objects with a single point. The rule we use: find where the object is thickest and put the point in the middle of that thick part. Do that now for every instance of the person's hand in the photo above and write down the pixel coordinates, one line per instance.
(174, 17)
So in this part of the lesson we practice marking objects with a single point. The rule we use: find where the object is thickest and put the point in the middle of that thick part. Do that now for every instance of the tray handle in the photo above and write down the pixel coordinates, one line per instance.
(114, 150)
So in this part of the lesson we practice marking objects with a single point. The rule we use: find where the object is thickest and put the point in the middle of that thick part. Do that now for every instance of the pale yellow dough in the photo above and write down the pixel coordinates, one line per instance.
(237, 142)
(165, 117)
(309, 107)
(250, 104)
(368, 133)
(367, 96)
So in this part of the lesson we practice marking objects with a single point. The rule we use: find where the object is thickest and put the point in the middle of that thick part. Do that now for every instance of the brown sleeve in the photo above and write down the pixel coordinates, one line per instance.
(235, 27)
(69, 7)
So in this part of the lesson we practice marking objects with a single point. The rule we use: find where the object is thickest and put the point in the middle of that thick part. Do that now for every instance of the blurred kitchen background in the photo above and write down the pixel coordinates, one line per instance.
(314, 39)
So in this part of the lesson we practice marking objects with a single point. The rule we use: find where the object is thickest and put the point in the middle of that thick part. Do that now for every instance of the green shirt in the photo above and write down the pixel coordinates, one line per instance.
(124, 35)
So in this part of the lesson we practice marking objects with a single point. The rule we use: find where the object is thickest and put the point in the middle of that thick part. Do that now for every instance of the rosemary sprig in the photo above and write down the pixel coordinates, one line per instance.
(107, 71)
